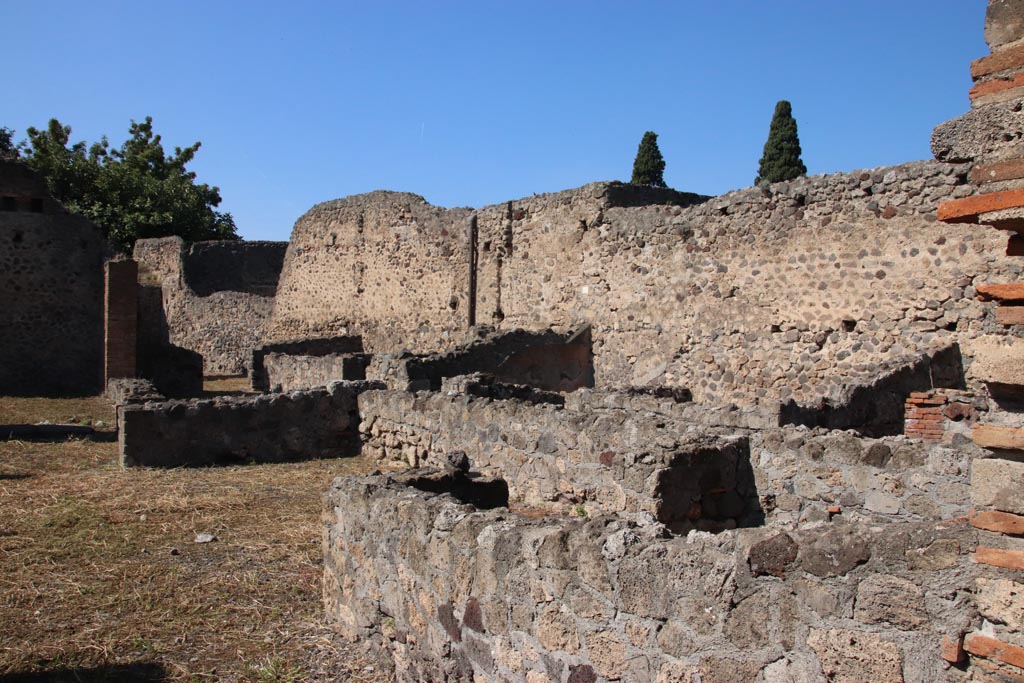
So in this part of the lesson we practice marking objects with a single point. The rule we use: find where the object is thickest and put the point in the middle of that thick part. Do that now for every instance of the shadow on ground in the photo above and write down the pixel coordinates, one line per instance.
(125, 673)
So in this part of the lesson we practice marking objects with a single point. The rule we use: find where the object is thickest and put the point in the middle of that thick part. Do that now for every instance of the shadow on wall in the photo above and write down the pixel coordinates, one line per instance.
(174, 371)
(545, 360)
(141, 672)
(709, 489)
(877, 409)
(247, 267)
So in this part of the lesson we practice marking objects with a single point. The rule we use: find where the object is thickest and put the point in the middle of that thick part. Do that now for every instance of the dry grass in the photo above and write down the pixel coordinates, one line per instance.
(99, 568)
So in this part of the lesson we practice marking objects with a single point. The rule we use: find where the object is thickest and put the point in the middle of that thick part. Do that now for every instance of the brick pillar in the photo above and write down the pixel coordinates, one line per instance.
(120, 319)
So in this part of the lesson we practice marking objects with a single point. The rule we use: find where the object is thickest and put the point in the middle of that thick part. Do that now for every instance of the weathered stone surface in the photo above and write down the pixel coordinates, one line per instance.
(890, 599)
(856, 656)
(51, 292)
(607, 652)
(1001, 601)
(773, 555)
(942, 553)
(988, 133)
(215, 297)
(556, 630)
(999, 361)
(1004, 23)
(999, 484)
(265, 428)
(832, 552)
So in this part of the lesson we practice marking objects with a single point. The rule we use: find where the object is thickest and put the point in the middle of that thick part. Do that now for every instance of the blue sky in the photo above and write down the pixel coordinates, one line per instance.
(471, 103)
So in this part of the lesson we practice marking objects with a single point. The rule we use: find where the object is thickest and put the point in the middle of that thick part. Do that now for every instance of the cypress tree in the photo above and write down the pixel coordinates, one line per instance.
(649, 164)
(781, 160)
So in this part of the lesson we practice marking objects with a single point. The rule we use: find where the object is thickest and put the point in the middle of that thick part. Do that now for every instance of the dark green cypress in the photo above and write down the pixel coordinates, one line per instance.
(781, 159)
(649, 164)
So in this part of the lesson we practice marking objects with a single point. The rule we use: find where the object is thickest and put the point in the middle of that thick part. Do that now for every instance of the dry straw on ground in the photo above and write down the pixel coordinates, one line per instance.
(101, 577)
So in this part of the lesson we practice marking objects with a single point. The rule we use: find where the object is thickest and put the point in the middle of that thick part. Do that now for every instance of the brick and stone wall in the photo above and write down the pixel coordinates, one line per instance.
(51, 292)
(216, 296)
(319, 423)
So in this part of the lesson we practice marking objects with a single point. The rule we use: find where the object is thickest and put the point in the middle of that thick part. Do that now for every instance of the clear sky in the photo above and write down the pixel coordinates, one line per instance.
(476, 102)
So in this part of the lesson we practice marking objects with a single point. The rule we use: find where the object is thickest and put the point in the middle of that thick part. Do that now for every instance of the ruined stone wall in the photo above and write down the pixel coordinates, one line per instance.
(217, 296)
(318, 423)
(558, 459)
(488, 595)
(613, 453)
(289, 372)
(51, 292)
(795, 291)
(386, 266)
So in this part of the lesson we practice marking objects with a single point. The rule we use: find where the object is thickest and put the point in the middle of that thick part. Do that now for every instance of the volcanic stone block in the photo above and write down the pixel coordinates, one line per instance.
(856, 656)
(999, 484)
(999, 363)
(1004, 22)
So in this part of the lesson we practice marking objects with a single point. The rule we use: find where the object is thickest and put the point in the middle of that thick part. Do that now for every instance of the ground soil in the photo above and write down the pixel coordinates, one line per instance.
(101, 577)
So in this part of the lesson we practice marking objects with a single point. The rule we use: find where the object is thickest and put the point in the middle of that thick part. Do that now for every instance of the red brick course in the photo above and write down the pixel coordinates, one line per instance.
(966, 210)
(998, 61)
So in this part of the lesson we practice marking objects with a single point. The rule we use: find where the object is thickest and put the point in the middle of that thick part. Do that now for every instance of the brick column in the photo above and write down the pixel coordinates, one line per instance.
(120, 319)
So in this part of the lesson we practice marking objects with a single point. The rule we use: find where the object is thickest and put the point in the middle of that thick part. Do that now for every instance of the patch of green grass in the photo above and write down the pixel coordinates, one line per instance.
(275, 670)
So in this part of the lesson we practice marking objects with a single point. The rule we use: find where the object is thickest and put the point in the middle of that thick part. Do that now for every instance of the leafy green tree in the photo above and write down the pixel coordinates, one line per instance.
(8, 150)
(781, 159)
(649, 166)
(132, 192)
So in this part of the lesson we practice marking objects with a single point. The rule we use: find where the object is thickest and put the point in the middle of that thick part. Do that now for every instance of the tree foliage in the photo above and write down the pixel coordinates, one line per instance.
(131, 192)
(7, 149)
(781, 159)
(649, 166)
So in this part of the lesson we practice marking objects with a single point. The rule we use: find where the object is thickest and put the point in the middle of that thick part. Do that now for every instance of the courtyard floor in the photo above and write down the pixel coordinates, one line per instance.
(102, 577)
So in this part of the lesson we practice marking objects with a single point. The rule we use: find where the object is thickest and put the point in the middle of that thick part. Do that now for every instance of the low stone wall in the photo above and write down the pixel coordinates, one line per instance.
(305, 364)
(288, 372)
(813, 475)
(228, 430)
(615, 452)
(553, 458)
(471, 595)
(542, 359)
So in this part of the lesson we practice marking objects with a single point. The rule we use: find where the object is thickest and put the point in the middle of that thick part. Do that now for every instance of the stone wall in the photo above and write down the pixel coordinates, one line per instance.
(489, 595)
(618, 453)
(51, 292)
(386, 266)
(794, 291)
(557, 459)
(216, 296)
(291, 366)
(319, 423)
(542, 359)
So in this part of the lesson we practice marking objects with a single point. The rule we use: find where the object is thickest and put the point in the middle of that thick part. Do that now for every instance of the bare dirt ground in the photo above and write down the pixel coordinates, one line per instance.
(101, 577)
